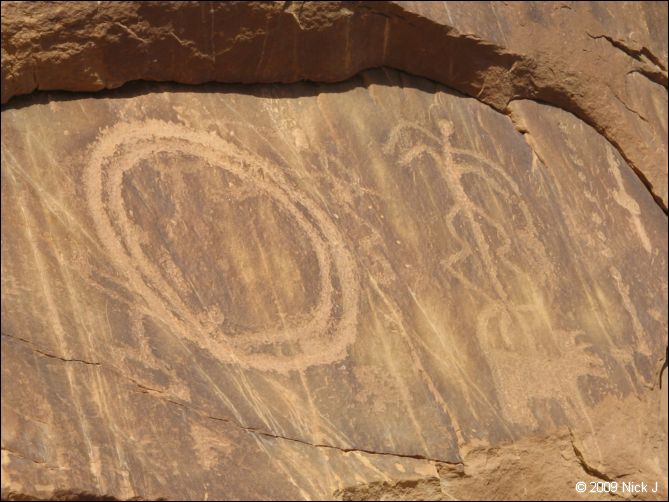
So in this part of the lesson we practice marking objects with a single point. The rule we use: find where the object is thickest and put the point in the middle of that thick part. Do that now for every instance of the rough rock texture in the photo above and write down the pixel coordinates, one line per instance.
(372, 289)
(603, 61)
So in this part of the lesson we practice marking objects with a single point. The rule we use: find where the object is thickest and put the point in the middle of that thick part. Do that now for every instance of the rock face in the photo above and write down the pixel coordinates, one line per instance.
(374, 288)
(604, 62)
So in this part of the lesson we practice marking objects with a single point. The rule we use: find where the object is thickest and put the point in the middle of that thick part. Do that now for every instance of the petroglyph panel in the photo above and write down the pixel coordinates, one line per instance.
(203, 308)
(262, 275)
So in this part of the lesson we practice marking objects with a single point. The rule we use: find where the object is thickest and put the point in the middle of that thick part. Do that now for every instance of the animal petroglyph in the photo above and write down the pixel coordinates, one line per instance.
(509, 293)
(321, 335)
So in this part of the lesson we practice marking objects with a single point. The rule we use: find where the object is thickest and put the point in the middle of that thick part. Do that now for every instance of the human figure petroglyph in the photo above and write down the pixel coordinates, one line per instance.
(457, 163)
(320, 336)
(506, 322)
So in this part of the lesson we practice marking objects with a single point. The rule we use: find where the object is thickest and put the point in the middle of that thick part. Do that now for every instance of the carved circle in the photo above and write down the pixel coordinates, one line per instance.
(321, 336)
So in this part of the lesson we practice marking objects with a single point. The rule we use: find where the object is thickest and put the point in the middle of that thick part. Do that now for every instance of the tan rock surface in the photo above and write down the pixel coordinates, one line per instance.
(378, 288)
(579, 56)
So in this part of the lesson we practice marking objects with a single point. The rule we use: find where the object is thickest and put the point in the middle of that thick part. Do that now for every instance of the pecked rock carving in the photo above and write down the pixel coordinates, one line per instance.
(322, 336)
(367, 286)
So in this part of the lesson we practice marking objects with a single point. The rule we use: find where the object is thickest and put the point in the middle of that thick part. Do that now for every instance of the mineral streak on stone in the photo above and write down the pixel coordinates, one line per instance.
(373, 288)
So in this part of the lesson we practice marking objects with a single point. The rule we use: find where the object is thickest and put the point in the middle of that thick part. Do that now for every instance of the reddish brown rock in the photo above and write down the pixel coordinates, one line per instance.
(378, 288)
(579, 57)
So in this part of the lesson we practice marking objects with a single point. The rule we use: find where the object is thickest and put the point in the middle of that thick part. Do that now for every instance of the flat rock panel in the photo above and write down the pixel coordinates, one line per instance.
(377, 287)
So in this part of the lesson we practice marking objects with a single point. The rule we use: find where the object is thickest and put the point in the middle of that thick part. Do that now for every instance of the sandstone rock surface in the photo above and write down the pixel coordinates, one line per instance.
(374, 288)
(606, 62)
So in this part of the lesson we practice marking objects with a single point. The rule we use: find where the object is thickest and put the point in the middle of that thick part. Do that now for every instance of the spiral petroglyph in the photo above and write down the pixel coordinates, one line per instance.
(320, 335)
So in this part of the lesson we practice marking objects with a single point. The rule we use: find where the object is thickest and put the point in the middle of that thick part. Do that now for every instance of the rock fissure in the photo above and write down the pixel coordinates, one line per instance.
(49, 354)
(643, 55)
(587, 468)
(632, 110)
(255, 430)
(261, 432)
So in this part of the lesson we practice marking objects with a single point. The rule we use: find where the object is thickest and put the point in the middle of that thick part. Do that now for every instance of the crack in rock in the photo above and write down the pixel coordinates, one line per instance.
(50, 355)
(642, 54)
(254, 430)
(592, 471)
